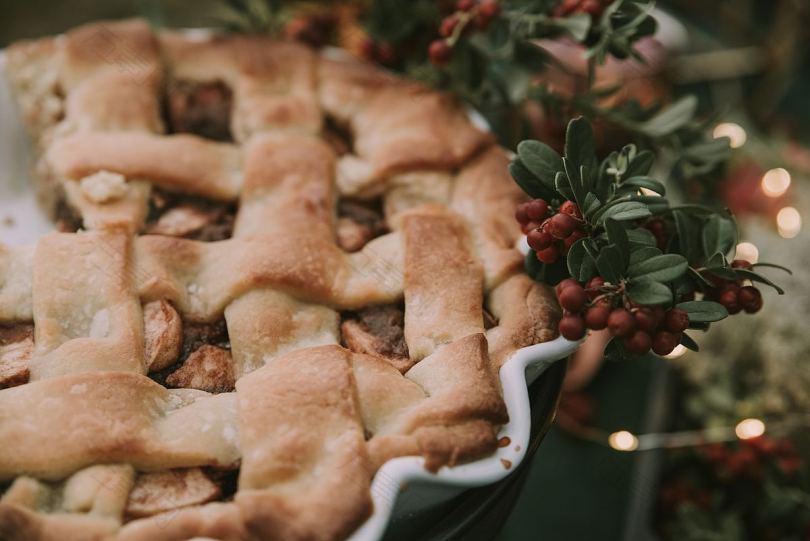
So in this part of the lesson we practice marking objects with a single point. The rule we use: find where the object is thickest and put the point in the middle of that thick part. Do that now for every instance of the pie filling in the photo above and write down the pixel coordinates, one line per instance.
(201, 108)
(359, 222)
(16, 348)
(177, 215)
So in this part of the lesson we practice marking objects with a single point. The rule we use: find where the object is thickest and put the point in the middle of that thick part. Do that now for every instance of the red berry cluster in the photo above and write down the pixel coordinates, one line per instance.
(735, 296)
(641, 328)
(550, 236)
(572, 7)
(381, 52)
(751, 456)
(477, 12)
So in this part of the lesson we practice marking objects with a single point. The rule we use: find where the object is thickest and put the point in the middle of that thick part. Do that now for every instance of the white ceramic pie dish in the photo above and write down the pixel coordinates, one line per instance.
(402, 486)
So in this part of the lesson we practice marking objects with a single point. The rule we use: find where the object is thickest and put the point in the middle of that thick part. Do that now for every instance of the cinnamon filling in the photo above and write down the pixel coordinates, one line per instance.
(16, 349)
(359, 222)
(177, 215)
(378, 331)
(201, 108)
(204, 361)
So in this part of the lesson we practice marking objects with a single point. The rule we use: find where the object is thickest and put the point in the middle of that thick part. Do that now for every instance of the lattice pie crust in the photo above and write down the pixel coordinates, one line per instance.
(128, 409)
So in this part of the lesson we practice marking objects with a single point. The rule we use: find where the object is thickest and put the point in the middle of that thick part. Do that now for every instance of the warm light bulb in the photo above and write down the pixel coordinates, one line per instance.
(749, 428)
(733, 131)
(775, 182)
(747, 252)
(788, 222)
(677, 352)
(623, 441)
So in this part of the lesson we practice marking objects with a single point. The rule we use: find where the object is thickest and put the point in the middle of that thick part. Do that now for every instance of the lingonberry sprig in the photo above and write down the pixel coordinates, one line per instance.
(469, 15)
(623, 259)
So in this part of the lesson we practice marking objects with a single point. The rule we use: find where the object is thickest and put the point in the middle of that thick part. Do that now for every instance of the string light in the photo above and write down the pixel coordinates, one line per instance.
(623, 441)
(747, 252)
(749, 428)
(733, 131)
(788, 222)
(775, 182)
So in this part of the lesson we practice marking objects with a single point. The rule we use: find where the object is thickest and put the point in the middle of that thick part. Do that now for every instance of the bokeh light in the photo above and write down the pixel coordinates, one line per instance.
(747, 252)
(623, 441)
(775, 182)
(789, 222)
(733, 131)
(749, 428)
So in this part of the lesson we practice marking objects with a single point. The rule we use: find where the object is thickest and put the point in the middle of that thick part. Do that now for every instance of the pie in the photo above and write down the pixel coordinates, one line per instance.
(276, 270)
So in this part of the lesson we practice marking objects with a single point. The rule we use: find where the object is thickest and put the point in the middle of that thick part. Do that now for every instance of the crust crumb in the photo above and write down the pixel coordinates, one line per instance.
(16, 349)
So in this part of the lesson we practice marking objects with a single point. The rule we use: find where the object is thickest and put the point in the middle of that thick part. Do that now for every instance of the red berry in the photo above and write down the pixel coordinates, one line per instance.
(521, 215)
(539, 240)
(646, 320)
(741, 264)
(536, 209)
(656, 227)
(386, 54)
(664, 342)
(489, 9)
(448, 25)
(637, 343)
(525, 228)
(571, 208)
(465, 5)
(368, 49)
(572, 327)
(573, 298)
(676, 320)
(549, 255)
(728, 298)
(593, 286)
(621, 323)
(572, 238)
(596, 317)
(568, 282)
(439, 52)
(750, 299)
(561, 225)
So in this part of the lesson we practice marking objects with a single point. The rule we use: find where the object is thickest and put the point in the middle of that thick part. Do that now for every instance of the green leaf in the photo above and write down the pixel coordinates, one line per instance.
(580, 263)
(649, 292)
(773, 265)
(529, 183)
(689, 237)
(671, 118)
(719, 235)
(541, 160)
(591, 205)
(688, 343)
(754, 277)
(645, 182)
(641, 236)
(662, 268)
(574, 175)
(640, 165)
(643, 253)
(618, 236)
(563, 186)
(610, 263)
(580, 147)
(626, 210)
(703, 311)
(577, 25)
